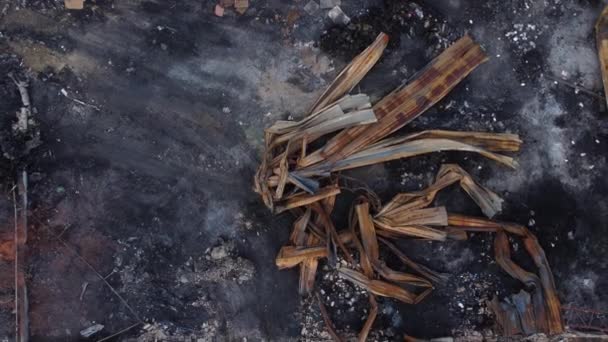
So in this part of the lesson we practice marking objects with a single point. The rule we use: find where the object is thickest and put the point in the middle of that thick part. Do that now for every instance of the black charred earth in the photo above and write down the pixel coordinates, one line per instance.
(151, 117)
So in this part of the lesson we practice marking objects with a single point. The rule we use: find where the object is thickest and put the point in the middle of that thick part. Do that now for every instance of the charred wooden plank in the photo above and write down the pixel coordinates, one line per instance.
(290, 256)
(353, 73)
(406, 103)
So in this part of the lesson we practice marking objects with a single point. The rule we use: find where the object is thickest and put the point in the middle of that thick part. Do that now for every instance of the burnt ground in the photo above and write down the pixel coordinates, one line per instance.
(150, 179)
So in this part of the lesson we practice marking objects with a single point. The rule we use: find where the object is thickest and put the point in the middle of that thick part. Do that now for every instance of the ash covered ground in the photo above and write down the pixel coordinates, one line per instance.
(150, 179)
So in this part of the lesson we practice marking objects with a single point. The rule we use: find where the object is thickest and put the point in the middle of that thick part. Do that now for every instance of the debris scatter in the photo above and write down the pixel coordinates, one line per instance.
(298, 176)
(140, 125)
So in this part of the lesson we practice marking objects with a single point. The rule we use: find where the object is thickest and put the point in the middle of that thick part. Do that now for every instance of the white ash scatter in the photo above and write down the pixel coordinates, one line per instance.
(168, 332)
(478, 117)
(476, 336)
(339, 295)
(540, 115)
(341, 299)
(346, 304)
(570, 38)
(313, 327)
(471, 292)
(524, 36)
(438, 29)
(218, 265)
(420, 180)
(126, 264)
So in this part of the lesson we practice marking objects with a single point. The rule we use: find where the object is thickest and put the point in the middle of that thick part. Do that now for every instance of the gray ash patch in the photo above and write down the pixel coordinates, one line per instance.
(221, 265)
(195, 288)
(169, 332)
(167, 39)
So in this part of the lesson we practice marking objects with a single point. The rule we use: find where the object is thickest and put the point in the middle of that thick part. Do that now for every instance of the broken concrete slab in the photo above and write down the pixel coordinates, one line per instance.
(338, 17)
(327, 4)
(311, 7)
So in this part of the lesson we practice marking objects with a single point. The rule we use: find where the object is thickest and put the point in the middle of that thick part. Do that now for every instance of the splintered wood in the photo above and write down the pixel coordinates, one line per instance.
(303, 178)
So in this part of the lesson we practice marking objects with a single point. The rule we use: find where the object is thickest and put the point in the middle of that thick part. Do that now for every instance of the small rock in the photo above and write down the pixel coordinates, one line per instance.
(219, 10)
(219, 252)
(92, 330)
(243, 278)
